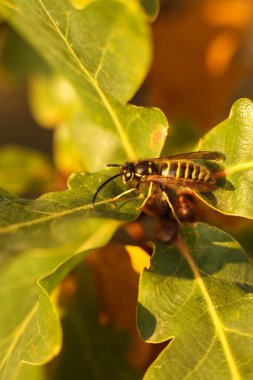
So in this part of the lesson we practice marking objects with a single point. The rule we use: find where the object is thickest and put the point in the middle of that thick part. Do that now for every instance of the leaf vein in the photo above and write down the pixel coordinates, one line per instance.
(201, 361)
(125, 141)
(17, 334)
(235, 375)
(238, 332)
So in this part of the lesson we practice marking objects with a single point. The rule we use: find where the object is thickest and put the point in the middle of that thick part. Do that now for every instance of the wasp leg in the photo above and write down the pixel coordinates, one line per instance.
(125, 193)
(147, 197)
(171, 207)
(115, 198)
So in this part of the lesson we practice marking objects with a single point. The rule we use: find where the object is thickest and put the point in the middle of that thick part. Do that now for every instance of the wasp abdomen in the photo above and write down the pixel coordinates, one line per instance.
(186, 170)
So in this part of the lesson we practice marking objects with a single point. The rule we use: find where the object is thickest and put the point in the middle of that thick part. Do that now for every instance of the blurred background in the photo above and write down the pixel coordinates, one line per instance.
(203, 62)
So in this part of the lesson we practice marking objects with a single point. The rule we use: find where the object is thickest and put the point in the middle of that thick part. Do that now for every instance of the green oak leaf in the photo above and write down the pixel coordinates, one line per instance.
(41, 240)
(244, 235)
(234, 138)
(199, 294)
(31, 372)
(64, 217)
(142, 136)
(55, 103)
(52, 99)
(18, 58)
(91, 349)
(25, 171)
(81, 4)
(66, 156)
(87, 45)
(105, 67)
(151, 8)
(30, 330)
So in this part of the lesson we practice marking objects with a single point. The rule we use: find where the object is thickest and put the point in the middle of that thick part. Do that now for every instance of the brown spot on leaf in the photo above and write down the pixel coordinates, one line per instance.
(160, 133)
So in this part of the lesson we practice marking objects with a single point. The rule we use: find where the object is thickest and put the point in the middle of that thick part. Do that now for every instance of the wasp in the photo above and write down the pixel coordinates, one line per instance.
(165, 173)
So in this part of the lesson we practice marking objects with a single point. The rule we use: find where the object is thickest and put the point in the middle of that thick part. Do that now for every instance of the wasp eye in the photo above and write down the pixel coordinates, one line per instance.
(128, 176)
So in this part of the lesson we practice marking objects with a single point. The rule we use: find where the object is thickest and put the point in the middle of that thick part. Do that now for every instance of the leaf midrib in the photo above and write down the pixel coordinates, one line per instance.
(234, 168)
(124, 139)
(32, 222)
(22, 326)
(235, 375)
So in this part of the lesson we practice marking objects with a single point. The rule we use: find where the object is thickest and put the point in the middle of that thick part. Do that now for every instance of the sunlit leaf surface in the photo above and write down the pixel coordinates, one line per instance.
(40, 241)
(234, 138)
(88, 43)
(199, 294)
(105, 66)
(29, 372)
(59, 218)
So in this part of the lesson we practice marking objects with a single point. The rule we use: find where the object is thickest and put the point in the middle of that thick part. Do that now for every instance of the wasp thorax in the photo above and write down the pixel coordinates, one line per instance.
(144, 168)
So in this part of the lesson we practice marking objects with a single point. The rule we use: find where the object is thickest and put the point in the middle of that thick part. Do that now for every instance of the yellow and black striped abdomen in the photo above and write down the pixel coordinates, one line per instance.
(186, 171)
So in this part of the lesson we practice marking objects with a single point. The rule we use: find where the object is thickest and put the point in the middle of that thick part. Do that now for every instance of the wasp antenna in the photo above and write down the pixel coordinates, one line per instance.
(113, 166)
(100, 187)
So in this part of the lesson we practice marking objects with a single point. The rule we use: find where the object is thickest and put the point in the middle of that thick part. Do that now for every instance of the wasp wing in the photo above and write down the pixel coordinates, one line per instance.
(206, 155)
(173, 182)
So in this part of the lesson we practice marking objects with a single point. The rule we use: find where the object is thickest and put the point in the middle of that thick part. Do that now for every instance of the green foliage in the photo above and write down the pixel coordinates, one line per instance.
(105, 66)
(93, 349)
(25, 330)
(42, 223)
(30, 372)
(151, 8)
(18, 59)
(105, 45)
(198, 291)
(25, 171)
(234, 137)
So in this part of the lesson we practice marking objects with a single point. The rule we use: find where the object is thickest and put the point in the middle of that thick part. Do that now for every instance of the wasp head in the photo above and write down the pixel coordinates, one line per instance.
(128, 172)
